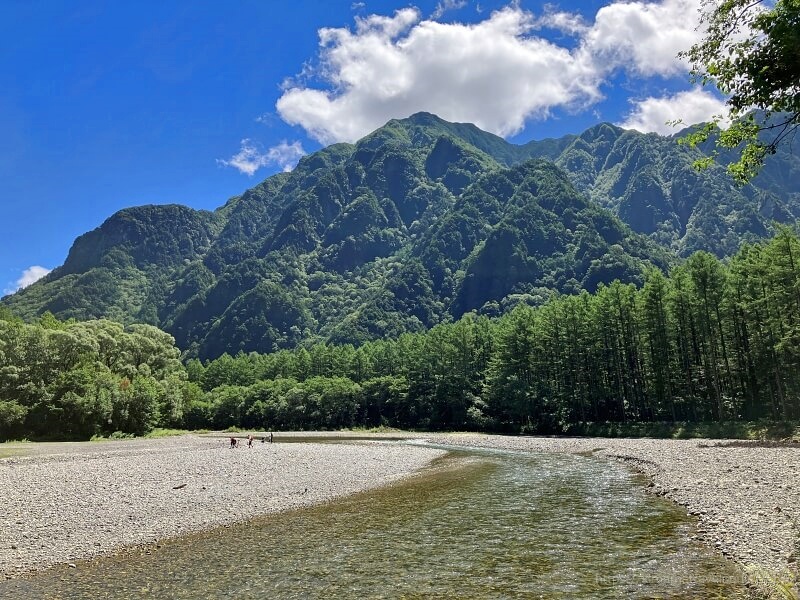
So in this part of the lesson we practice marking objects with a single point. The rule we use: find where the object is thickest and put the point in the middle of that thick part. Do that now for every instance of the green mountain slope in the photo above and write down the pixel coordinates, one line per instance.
(649, 182)
(415, 224)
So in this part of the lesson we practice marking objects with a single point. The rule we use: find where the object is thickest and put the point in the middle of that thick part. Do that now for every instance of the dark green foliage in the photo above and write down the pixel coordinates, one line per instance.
(417, 224)
(78, 379)
(548, 236)
(268, 316)
(361, 233)
(118, 270)
(751, 53)
(650, 182)
(145, 235)
(710, 343)
(456, 164)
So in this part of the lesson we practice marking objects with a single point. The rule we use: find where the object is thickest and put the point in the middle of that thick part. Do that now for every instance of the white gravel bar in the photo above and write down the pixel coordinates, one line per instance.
(64, 502)
(745, 495)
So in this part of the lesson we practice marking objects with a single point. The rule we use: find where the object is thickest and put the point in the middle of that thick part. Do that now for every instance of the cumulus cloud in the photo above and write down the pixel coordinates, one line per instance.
(644, 37)
(286, 155)
(497, 73)
(658, 114)
(446, 5)
(566, 22)
(29, 276)
(251, 158)
(489, 73)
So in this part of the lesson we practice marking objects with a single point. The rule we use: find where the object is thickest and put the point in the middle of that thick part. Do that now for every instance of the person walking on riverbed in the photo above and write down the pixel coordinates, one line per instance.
(250, 441)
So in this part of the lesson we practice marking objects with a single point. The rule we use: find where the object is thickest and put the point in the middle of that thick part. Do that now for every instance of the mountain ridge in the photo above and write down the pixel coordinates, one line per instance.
(402, 230)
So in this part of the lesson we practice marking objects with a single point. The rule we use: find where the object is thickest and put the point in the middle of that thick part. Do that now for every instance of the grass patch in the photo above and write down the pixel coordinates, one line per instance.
(161, 432)
(772, 586)
(158, 432)
(378, 429)
(7, 452)
(735, 430)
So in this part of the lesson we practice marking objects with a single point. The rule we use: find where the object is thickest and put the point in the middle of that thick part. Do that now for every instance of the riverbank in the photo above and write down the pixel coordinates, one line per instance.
(64, 502)
(745, 495)
(68, 501)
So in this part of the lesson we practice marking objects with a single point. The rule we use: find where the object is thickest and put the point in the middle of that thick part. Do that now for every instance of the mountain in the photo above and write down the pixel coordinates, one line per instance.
(413, 225)
(649, 182)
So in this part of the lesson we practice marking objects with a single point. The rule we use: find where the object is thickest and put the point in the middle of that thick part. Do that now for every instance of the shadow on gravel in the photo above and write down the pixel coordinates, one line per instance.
(753, 444)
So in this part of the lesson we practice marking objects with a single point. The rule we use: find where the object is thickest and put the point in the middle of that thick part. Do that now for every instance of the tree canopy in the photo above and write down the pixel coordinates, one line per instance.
(68, 380)
(751, 53)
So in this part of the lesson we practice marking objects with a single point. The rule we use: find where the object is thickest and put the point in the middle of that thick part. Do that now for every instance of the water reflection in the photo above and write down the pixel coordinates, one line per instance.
(479, 524)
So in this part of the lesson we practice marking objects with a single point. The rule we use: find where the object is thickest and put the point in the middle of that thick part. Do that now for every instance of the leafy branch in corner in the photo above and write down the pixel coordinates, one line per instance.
(751, 53)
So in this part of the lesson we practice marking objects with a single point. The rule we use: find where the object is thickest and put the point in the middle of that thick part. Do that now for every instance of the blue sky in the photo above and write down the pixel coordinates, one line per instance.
(105, 105)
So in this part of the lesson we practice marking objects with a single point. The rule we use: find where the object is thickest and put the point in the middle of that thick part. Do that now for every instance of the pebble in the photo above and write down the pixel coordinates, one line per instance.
(113, 495)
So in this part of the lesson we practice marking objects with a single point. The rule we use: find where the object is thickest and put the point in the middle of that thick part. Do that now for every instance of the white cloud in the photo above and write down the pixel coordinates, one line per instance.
(690, 107)
(286, 155)
(446, 5)
(497, 73)
(489, 73)
(644, 37)
(29, 276)
(566, 22)
(250, 158)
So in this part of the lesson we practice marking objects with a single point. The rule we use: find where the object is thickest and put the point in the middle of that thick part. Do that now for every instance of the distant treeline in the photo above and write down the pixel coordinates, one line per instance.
(713, 341)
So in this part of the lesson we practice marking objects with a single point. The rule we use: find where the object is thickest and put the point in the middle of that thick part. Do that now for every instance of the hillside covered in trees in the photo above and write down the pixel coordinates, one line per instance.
(415, 225)
(711, 341)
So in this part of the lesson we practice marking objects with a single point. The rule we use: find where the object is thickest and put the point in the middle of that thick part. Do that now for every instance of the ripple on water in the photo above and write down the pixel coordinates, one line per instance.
(478, 524)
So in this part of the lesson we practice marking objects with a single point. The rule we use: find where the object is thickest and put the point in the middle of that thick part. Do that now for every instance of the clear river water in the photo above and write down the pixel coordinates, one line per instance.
(477, 524)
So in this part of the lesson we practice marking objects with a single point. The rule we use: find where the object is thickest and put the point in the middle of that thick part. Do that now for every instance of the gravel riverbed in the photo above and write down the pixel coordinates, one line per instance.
(65, 502)
(745, 495)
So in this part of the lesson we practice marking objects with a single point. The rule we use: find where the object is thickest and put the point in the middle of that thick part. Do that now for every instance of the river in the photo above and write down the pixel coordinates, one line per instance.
(477, 524)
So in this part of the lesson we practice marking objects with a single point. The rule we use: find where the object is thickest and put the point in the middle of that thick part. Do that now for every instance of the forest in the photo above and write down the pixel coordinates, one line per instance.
(711, 341)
